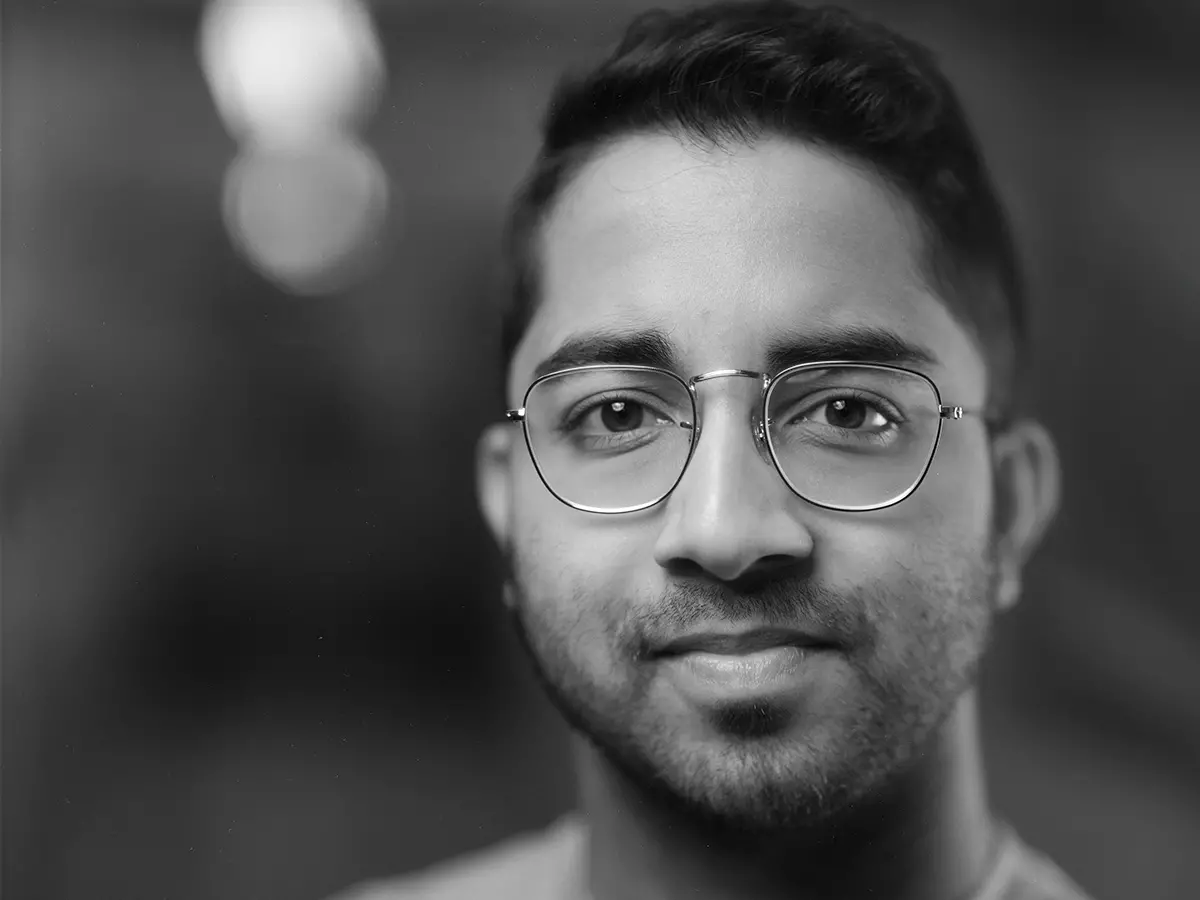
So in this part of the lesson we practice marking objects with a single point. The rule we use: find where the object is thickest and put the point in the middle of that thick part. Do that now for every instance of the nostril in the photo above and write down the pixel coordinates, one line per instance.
(751, 580)
(772, 568)
(682, 567)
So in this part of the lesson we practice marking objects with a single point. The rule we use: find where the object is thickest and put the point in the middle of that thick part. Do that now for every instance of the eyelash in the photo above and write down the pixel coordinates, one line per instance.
(885, 409)
(585, 407)
(576, 416)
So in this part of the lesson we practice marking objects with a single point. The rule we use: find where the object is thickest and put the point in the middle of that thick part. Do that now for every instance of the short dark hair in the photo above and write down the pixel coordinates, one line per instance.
(739, 71)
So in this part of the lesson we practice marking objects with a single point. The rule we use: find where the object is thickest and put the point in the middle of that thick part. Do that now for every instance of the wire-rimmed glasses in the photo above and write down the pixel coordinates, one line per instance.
(845, 436)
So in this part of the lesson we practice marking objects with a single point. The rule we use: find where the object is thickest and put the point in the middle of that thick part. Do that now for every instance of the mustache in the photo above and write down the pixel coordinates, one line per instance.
(796, 603)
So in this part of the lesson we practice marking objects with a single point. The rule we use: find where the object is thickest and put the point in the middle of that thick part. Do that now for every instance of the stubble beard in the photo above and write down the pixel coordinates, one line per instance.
(774, 782)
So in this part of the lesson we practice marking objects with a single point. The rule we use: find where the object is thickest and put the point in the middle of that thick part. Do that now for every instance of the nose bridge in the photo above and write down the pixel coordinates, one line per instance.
(727, 514)
(755, 411)
(719, 437)
(727, 373)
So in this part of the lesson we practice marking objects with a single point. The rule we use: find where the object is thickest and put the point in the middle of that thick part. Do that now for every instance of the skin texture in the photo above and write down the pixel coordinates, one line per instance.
(726, 249)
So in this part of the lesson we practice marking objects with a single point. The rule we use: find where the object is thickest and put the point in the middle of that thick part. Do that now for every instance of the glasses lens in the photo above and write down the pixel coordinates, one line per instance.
(610, 439)
(853, 437)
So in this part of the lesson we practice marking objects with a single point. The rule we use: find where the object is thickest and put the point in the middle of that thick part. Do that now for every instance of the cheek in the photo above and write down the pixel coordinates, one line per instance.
(944, 525)
(578, 574)
(924, 565)
(957, 490)
(582, 552)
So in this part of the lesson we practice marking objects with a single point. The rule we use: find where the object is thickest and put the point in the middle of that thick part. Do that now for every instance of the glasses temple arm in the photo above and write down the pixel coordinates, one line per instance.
(990, 417)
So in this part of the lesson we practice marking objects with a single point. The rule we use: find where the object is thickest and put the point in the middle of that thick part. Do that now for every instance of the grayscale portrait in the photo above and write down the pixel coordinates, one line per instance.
(599, 452)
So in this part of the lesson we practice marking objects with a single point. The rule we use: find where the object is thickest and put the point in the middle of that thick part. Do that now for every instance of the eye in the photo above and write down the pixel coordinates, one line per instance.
(619, 415)
(849, 413)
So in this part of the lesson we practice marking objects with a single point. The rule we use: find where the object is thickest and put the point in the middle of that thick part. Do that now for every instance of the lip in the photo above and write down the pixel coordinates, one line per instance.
(782, 675)
(742, 643)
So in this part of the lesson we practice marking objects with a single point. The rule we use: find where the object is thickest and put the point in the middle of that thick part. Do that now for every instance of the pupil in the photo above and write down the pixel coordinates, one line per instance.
(622, 416)
(847, 413)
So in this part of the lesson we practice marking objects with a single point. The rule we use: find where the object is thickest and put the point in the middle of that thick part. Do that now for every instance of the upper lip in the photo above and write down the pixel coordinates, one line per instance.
(742, 642)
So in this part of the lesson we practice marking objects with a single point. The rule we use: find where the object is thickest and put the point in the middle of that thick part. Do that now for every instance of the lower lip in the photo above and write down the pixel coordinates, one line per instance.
(713, 677)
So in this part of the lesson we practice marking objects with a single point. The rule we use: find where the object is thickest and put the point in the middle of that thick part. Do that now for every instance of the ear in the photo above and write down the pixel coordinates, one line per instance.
(1028, 486)
(493, 479)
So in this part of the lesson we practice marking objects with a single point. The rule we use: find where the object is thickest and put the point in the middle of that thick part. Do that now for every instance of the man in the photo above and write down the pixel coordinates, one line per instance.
(765, 481)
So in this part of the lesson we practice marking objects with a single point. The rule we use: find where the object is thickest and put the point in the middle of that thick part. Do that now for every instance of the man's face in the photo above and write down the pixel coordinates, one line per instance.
(727, 251)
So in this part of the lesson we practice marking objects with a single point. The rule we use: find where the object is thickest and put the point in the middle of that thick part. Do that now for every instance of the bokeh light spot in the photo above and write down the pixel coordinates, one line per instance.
(307, 216)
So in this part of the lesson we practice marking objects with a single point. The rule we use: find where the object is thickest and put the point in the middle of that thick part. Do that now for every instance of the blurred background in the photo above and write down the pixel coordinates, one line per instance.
(252, 645)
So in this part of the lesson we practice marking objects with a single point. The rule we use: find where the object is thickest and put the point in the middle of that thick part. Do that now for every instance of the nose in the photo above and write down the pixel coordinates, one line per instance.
(731, 517)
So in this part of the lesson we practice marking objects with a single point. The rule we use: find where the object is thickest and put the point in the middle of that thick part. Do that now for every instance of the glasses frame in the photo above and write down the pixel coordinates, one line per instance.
(762, 434)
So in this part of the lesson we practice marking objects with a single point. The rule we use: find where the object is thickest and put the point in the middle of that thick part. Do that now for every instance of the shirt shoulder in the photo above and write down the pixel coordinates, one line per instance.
(1023, 873)
(533, 866)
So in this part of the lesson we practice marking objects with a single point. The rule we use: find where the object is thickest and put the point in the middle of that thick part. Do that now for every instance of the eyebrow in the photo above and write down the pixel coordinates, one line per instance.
(643, 347)
(652, 347)
(859, 343)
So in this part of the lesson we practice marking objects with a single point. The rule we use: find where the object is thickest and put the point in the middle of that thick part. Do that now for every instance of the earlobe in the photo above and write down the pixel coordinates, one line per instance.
(493, 479)
(1028, 487)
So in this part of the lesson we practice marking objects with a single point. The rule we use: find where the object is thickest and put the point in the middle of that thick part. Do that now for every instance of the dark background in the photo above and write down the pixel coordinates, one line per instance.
(251, 638)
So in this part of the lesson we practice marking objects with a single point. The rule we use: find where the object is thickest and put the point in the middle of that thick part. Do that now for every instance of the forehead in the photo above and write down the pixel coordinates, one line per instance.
(725, 249)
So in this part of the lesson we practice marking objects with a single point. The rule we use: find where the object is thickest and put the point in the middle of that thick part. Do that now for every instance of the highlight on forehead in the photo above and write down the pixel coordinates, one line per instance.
(656, 183)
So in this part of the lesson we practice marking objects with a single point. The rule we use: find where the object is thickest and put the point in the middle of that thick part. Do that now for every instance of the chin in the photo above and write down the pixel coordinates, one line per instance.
(749, 769)
(768, 785)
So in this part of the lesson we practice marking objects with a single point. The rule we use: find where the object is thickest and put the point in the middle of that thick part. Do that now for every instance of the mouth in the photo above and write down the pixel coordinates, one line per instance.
(742, 643)
(714, 669)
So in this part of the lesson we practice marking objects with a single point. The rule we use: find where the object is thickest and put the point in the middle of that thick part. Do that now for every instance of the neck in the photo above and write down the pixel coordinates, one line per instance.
(932, 837)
